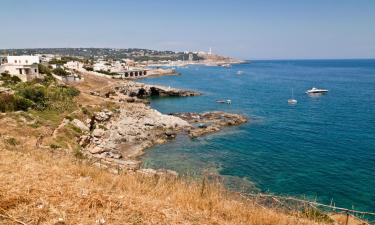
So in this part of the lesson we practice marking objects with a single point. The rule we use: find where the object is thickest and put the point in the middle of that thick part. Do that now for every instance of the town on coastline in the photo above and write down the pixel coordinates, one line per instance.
(113, 63)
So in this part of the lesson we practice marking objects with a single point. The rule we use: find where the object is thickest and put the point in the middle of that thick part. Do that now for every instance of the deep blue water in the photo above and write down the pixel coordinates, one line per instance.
(323, 147)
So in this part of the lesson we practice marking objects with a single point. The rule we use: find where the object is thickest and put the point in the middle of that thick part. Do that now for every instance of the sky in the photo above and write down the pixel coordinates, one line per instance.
(272, 29)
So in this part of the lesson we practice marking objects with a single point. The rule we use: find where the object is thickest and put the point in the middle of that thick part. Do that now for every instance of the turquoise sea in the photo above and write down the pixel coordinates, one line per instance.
(323, 147)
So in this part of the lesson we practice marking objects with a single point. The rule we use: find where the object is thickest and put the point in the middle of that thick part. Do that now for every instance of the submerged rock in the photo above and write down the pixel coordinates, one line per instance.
(210, 122)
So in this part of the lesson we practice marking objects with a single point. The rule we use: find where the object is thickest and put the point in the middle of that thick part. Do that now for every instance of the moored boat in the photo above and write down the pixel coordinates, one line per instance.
(315, 90)
(228, 101)
(292, 101)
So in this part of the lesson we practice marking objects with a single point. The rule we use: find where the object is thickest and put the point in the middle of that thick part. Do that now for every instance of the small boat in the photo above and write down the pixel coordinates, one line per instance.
(226, 65)
(228, 101)
(315, 90)
(292, 101)
(240, 72)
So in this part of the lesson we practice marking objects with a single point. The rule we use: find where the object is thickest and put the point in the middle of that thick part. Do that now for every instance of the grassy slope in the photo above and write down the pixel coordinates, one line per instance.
(43, 188)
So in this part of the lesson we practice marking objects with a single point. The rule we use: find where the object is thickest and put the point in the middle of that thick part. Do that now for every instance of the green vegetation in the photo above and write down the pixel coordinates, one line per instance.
(107, 72)
(13, 103)
(9, 79)
(38, 94)
(88, 68)
(66, 59)
(44, 69)
(60, 72)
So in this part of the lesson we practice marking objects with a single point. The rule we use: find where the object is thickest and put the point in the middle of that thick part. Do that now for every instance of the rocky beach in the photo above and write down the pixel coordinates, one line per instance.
(117, 137)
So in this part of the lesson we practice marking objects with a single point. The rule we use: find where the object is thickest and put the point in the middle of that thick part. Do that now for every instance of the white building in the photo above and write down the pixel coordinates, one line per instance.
(101, 65)
(74, 65)
(25, 67)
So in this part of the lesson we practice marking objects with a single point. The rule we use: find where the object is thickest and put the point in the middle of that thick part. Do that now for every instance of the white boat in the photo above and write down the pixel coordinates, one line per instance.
(315, 90)
(228, 101)
(292, 101)
(240, 72)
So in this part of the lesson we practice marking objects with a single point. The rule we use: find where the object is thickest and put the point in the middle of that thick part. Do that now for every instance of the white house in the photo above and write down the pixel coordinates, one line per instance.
(25, 67)
(101, 65)
(74, 65)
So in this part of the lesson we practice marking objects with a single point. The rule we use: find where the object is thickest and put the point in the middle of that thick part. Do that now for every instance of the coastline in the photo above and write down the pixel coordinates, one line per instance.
(118, 137)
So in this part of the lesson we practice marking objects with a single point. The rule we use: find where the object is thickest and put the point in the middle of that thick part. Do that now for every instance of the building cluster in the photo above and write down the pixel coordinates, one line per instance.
(122, 68)
(26, 66)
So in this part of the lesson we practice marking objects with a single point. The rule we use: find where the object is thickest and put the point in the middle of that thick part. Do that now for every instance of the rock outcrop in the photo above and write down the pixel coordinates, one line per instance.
(135, 89)
(132, 130)
(210, 122)
(119, 137)
(79, 124)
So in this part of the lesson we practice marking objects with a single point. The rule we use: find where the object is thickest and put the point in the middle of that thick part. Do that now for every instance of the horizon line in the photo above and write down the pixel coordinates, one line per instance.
(254, 59)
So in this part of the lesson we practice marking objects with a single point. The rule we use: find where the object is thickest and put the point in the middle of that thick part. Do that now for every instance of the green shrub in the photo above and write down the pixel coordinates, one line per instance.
(60, 72)
(88, 68)
(9, 79)
(14, 103)
(44, 69)
(107, 72)
(34, 93)
(39, 95)
(22, 103)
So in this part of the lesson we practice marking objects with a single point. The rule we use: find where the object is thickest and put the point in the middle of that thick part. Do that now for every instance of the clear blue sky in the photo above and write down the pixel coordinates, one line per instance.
(241, 28)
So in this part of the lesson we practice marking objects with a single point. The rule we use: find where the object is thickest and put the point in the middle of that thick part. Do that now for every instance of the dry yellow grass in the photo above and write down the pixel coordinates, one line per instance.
(44, 188)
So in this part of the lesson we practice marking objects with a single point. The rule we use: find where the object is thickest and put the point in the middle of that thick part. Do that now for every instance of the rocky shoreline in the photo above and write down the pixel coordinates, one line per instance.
(117, 138)
(210, 122)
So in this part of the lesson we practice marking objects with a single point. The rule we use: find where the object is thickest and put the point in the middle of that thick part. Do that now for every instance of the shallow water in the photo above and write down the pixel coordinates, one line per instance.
(322, 147)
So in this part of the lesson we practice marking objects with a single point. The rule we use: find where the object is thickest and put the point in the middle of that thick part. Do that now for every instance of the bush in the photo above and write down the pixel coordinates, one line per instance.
(88, 68)
(60, 72)
(107, 72)
(44, 69)
(22, 103)
(34, 93)
(14, 103)
(9, 79)
(39, 95)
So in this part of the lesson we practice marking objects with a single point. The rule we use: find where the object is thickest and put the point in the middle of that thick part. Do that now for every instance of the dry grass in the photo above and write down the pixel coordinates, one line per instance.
(39, 188)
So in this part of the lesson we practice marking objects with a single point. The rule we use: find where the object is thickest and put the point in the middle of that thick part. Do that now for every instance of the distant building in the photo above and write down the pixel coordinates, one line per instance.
(25, 67)
(101, 65)
(73, 65)
(44, 58)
